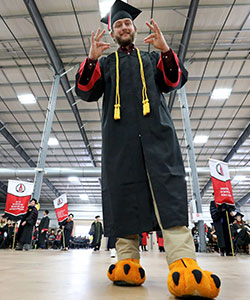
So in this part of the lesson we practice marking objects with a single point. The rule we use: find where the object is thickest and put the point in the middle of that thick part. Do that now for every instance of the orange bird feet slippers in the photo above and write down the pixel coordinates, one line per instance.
(127, 272)
(186, 279)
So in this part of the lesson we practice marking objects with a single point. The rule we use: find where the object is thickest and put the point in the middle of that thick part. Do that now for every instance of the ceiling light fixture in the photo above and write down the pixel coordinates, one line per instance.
(53, 141)
(239, 178)
(73, 179)
(27, 99)
(84, 196)
(221, 94)
(201, 139)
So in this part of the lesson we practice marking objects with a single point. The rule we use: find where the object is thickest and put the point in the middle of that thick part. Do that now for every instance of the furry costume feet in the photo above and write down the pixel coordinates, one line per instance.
(127, 272)
(186, 278)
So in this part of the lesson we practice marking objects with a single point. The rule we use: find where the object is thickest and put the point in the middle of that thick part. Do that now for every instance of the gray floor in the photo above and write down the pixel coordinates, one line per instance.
(81, 274)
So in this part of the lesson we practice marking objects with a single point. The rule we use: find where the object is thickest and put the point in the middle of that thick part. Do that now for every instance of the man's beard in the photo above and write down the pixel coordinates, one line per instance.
(127, 42)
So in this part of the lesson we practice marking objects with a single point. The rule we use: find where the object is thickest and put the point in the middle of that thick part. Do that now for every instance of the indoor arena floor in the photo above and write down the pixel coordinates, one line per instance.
(81, 275)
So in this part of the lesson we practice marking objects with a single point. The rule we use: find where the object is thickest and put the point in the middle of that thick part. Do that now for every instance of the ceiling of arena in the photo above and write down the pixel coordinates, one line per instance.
(217, 57)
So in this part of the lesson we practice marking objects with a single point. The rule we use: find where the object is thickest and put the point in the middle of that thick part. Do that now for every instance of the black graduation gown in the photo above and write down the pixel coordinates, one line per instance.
(25, 232)
(240, 234)
(97, 235)
(68, 228)
(44, 224)
(221, 226)
(137, 143)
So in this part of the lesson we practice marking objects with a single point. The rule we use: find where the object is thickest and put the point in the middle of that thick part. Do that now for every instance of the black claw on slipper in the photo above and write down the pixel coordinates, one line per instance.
(216, 280)
(197, 275)
(142, 272)
(126, 268)
(111, 268)
(176, 277)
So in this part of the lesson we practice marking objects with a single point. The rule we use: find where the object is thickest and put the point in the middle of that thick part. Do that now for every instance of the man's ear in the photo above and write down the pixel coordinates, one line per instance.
(112, 35)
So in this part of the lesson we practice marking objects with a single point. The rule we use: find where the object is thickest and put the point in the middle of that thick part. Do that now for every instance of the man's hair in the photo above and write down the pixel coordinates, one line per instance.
(71, 215)
(46, 211)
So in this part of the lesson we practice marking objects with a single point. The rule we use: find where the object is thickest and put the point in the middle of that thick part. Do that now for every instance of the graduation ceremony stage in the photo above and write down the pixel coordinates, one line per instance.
(81, 275)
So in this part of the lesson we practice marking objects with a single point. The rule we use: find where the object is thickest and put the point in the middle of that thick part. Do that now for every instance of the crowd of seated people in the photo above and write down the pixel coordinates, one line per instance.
(54, 240)
(6, 233)
(79, 242)
(240, 233)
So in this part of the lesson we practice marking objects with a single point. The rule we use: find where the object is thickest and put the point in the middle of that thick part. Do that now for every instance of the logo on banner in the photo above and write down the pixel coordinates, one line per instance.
(220, 176)
(20, 188)
(59, 201)
(219, 169)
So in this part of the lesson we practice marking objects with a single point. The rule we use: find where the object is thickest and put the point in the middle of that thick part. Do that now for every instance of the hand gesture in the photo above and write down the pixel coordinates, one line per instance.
(156, 38)
(97, 47)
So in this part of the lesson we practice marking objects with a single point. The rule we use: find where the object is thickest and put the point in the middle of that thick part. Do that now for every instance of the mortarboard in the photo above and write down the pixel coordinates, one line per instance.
(120, 10)
(239, 214)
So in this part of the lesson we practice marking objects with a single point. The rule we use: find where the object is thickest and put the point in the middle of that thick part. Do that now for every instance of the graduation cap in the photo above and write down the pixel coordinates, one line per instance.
(239, 214)
(120, 10)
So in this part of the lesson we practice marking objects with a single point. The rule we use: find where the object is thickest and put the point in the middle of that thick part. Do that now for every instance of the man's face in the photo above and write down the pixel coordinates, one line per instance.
(123, 32)
(32, 203)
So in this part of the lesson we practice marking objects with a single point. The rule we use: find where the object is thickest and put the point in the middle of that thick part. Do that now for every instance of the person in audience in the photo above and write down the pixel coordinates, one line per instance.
(195, 234)
(35, 238)
(111, 246)
(58, 240)
(51, 239)
(212, 239)
(145, 237)
(241, 233)
(160, 241)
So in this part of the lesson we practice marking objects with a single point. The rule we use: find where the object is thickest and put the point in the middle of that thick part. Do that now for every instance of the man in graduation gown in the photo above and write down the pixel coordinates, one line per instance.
(27, 224)
(43, 229)
(143, 177)
(67, 227)
(96, 231)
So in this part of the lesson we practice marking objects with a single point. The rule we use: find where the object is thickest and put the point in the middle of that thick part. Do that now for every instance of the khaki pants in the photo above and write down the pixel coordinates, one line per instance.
(178, 241)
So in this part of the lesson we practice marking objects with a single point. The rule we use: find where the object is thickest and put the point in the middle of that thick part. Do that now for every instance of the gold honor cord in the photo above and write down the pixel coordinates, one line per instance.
(117, 94)
(145, 100)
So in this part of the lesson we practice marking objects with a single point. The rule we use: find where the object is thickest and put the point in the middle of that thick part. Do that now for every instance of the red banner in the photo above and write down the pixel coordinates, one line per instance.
(61, 208)
(223, 193)
(18, 196)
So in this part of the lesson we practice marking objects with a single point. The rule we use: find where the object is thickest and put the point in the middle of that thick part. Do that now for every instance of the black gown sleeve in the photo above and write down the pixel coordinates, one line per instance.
(89, 82)
(214, 211)
(46, 223)
(32, 218)
(170, 73)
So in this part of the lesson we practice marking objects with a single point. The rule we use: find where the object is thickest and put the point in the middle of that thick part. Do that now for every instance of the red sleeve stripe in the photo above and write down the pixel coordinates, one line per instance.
(95, 76)
(160, 66)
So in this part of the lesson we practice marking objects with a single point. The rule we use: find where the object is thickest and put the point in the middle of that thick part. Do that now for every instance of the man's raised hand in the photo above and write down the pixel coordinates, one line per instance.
(97, 47)
(156, 38)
